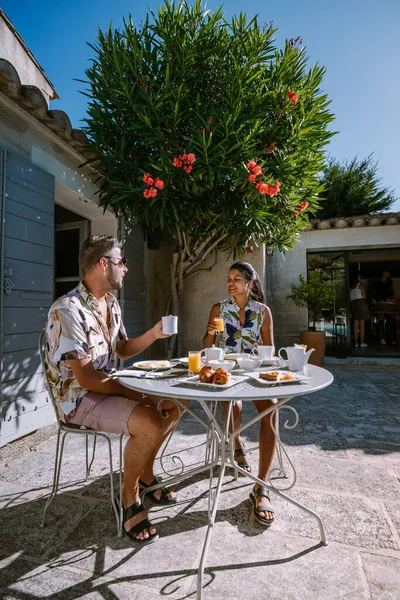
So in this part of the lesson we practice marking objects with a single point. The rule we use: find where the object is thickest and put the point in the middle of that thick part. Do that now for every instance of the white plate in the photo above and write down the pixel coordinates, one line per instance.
(231, 356)
(271, 361)
(297, 378)
(214, 386)
(149, 365)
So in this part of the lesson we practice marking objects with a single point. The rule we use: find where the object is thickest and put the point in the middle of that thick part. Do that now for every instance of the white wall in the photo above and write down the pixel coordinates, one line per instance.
(29, 73)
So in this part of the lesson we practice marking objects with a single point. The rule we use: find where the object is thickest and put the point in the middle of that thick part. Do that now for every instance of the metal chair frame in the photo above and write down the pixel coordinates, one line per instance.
(63, 431)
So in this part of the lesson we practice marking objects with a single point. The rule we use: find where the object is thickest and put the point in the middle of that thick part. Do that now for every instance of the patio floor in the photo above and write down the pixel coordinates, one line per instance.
(346, 450)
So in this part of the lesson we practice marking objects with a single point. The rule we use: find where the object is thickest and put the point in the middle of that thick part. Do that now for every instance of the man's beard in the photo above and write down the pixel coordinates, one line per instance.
(114, 283)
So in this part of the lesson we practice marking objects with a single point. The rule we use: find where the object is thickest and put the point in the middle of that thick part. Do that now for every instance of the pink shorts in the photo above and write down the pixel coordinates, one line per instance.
(104, 413)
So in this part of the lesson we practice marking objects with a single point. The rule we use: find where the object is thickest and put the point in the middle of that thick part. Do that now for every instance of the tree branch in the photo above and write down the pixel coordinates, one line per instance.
(209, 269)
(201, 259)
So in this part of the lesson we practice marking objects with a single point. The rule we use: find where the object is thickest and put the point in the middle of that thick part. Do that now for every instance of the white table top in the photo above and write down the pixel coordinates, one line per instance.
(248, 390)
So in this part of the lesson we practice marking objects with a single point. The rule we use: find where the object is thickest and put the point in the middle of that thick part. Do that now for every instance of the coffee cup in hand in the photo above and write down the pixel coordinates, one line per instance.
(170, 325)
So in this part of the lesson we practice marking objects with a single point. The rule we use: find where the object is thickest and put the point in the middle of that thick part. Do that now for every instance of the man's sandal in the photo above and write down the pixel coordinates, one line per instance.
(244, 464)
(263, 506)
(129, 513)
(164, 498)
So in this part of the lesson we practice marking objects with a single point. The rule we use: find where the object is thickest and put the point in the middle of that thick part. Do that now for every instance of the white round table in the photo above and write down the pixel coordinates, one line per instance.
(219, 437)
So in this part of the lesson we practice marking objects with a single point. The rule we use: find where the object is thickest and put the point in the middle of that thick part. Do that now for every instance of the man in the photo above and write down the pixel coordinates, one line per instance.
(84, 333)
(383, 292)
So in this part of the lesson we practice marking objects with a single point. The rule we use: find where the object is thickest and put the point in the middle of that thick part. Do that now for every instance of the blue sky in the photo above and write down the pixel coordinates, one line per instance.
(356, 40)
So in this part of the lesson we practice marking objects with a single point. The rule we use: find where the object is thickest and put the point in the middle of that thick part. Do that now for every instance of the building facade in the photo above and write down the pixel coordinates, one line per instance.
(341, 247)
(48, 206)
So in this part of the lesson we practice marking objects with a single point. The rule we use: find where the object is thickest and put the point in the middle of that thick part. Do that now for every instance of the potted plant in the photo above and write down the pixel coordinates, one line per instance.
(315, 294)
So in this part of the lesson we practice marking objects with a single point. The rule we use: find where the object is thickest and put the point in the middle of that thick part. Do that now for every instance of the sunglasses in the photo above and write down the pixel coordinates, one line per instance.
(120, 263)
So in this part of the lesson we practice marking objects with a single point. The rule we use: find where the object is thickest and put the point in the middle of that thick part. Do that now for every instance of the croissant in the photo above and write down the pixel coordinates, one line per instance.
(221, 377)
(206, 375)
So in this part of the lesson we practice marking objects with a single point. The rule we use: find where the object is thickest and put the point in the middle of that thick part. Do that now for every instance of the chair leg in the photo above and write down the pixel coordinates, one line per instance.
(121, 510)
(113, 502)
(89, 466)
(57, 469)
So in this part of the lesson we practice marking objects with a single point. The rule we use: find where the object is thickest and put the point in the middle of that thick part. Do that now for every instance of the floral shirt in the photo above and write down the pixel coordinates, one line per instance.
(240, 338)
(75, 329)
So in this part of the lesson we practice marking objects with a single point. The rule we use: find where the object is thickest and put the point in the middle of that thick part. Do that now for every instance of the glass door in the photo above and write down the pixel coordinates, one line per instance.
(334, 321)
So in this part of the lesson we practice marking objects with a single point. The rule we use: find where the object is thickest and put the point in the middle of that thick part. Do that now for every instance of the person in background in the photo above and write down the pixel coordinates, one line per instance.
(248, 322)
(383, 292)
(359, 311)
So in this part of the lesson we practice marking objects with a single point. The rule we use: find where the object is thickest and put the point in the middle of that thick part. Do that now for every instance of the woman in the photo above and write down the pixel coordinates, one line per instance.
(248, 322)
(359, 310)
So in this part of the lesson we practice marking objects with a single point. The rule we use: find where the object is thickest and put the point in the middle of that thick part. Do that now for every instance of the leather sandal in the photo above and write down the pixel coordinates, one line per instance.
(164, 498)
(129, 513)
(263, 507)
(244, 464)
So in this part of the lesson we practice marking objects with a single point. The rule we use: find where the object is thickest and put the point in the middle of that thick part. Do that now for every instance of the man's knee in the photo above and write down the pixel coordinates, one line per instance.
(145, 422)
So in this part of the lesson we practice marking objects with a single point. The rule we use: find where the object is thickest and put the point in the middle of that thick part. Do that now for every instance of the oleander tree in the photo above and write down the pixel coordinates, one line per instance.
(353, 187)
(205, 132)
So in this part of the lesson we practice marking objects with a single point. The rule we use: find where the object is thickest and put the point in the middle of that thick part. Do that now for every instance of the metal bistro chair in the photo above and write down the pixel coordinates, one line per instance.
(63, 430)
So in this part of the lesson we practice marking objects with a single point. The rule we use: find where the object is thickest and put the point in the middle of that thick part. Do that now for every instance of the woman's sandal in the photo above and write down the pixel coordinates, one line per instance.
(129, 513)
(264, 507)
(164, 498)
(244, 464)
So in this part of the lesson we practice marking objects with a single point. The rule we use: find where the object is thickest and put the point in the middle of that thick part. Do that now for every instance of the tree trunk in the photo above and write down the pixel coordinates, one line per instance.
(187, 261)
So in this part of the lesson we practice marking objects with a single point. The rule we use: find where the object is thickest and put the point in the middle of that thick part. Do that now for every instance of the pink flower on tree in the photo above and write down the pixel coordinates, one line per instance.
(252, 178)
(269, 149)
(293, 97)
(301, 208)
(147, 178)
(251, 165)
(159, 184)
(185, 161)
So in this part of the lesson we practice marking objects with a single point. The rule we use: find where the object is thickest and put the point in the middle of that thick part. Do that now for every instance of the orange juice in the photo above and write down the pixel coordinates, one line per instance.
(194, 362)
(219, 324)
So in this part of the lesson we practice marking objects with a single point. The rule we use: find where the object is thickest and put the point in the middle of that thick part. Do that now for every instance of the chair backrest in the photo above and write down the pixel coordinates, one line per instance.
(49, 384)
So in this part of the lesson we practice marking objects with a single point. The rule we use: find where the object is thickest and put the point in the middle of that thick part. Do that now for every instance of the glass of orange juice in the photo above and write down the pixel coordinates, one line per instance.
(219, 324)
(194, 366)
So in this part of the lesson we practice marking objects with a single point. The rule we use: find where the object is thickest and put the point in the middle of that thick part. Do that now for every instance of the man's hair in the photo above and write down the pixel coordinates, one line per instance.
(94, 247)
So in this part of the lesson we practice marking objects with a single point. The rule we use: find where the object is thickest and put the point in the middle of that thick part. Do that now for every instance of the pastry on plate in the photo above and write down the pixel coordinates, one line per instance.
(286, 377)
(270, 376)
(221, 377)
(206, 375)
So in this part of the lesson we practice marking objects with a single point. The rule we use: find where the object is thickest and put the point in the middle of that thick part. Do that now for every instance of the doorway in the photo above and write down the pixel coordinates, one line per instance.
(70, 230)
(382, 330)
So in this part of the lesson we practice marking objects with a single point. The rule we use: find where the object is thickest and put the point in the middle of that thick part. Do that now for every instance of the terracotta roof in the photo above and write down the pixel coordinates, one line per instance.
(30, 98)
(357, 221)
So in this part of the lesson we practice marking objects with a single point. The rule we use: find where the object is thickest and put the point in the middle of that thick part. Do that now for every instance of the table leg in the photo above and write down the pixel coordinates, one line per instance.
(213, 496)
(213, 458)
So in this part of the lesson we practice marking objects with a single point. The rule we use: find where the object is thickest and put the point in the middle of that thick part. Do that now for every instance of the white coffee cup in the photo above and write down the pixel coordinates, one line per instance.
(265, 352)
(170, 325)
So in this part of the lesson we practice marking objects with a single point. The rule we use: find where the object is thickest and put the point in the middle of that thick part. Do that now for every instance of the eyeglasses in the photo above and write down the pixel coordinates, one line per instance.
(120, 263)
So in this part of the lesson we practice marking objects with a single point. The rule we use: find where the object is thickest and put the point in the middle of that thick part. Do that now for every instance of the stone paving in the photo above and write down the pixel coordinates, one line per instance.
(346, 451)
